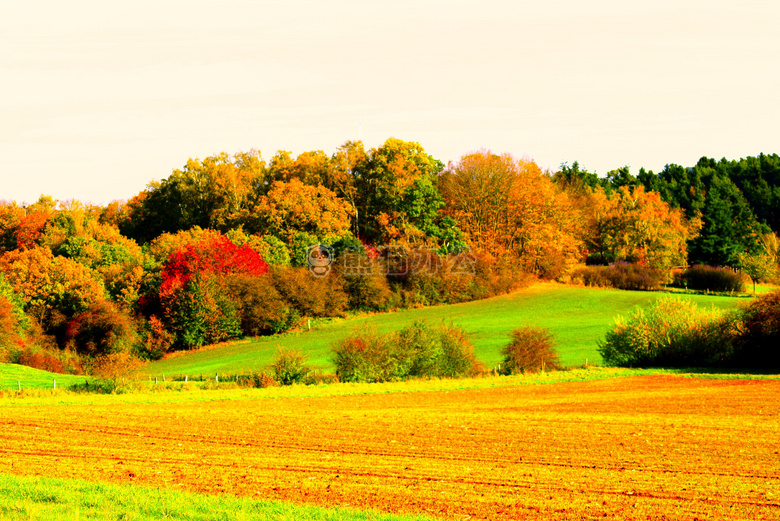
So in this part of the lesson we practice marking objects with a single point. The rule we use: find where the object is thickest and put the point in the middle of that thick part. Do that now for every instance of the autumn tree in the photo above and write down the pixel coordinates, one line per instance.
(397, 198)
(765, 263)
(757, 266)
(309, 167)
(293, 206)
(218, 192)
(13, 322)
(341, 177)
(45, 281)
(192, 297)
(637, 226)
(508, 208)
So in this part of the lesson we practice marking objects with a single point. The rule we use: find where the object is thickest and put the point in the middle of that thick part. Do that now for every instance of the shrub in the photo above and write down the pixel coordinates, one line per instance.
(320, 378)
(40, 359)
(417, 351)
(311, 296)
(426, 287)
(363, 357)
(620, 275)
(670, 332)
(10, 334)
(708, 278)
(299, 247)
(759, 337)
(101, 330)
(289, 366)
(457, 354)
(365, 284)
(114, 366)
(261, 308)
(155, 340)
(256, 379)
(532, 349)
(595, 276)
(630, 276)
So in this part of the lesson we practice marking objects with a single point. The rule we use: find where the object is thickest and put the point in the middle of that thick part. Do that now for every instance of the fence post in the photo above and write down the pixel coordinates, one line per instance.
(163, 377)
(54, 384)
(155, 380)
(20, 384)
(185, 378)
(216, 377)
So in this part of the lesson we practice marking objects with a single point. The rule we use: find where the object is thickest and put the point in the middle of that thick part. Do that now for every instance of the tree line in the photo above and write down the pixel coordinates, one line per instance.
(218, 249)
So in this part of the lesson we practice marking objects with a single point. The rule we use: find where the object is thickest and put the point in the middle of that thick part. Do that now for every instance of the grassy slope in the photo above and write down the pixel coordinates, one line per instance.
(578, 317)
(11, 375)
(25, 498)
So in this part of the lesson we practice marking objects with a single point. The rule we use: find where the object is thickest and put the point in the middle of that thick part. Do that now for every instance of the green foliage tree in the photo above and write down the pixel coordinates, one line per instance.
(729, 226)
(397, 197)
(757, 266)
(734, 200)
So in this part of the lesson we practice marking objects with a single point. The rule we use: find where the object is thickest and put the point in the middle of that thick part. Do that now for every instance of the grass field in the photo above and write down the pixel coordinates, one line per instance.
(653, 446)
(13, 376)
(577, 317)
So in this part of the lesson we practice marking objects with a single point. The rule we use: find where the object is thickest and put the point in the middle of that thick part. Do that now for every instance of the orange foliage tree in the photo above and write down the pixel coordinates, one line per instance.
(634, 225)
(508, 207)
(11, 216)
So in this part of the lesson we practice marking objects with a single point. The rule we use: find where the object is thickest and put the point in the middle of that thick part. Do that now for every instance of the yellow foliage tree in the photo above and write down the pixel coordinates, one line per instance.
(297, 207)
(47, 282)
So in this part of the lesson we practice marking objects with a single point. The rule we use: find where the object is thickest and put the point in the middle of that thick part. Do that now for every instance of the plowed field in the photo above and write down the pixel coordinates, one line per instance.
(660, 446)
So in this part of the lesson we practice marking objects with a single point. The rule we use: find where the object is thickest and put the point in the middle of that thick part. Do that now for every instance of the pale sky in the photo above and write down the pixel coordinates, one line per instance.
(98, 99)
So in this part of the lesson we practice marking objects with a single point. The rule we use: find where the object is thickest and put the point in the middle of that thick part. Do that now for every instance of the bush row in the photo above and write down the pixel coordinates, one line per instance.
(620, 275)
(417, 351)
(676, 333)
(423, 351)
(709, 278)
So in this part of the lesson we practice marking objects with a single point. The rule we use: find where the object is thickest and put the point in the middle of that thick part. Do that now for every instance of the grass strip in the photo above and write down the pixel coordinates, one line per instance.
(176, 392)
(47, 499)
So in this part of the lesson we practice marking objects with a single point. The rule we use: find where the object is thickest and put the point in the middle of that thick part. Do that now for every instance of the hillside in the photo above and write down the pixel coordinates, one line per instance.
(577, 317)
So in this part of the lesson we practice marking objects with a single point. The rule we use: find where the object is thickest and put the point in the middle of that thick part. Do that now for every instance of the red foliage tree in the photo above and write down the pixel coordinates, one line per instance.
(30, 229)
(213, 255)
(193, 297)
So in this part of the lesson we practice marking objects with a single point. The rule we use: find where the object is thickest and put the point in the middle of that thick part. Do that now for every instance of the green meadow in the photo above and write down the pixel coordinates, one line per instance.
(13, 376)
(577, 317)
(46, 499)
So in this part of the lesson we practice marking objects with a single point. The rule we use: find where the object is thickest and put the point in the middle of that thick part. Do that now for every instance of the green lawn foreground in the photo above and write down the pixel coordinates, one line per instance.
(46, 499)
(578, 318)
